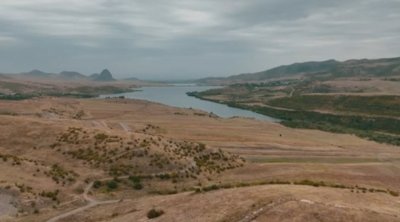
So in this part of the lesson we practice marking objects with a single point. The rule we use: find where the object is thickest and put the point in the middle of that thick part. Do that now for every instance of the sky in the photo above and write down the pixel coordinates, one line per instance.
(175, 39)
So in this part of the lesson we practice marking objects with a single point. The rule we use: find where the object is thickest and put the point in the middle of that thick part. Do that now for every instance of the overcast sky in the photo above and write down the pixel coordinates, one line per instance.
(173, 39)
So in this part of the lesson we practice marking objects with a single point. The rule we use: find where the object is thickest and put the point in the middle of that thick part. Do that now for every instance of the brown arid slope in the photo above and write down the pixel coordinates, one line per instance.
(273, 203)
(61, 158)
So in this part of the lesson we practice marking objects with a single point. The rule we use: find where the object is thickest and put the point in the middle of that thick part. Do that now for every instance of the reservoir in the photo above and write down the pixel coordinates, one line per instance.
(176, 96)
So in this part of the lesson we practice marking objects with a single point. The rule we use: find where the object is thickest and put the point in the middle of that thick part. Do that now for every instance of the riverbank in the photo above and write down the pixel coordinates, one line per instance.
(379, 129)
(176, 96)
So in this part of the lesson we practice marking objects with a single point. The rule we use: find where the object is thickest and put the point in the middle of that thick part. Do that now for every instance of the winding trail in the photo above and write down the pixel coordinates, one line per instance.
(91, 202)
(292, 92)
(125, 127)
(252, 216)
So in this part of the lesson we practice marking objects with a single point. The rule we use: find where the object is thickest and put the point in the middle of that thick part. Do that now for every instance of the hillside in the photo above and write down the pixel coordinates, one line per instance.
(359, 97)
(72, 75)
(56, 149)
(67, 83)
(116, 159)
(37, 73)
(330, 68)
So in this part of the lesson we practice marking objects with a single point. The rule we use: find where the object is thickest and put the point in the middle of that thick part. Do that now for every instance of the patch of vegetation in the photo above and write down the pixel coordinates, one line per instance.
(71, 136)
(136, 181)
(53, 195)
(211, 187)
(305, 182)
(15, 161)
(154, 213)
(79, 114)
(362, 126)
(379, 129)
(97, 184)
(372, 105)
(142, 157)
(16, 96)
(100, 137)
(71, 95)
(19, 91)
(13, 86)
(8, 113)
(112, 185)
(60, 175)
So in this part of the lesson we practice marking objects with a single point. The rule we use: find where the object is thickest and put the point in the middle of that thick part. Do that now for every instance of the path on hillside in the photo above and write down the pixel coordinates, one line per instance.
(125, 127)
(292, 92)
(91, 202)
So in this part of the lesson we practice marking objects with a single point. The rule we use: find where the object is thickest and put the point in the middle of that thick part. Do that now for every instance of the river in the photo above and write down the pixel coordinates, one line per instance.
(176, 96)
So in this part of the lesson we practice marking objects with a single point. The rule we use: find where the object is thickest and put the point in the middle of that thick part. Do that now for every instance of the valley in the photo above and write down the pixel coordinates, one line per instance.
(69, 155)
(199, 111)
(360, 99)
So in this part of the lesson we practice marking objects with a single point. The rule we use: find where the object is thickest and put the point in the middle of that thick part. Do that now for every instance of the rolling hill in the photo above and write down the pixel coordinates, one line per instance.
(331, 68)
(72, 75)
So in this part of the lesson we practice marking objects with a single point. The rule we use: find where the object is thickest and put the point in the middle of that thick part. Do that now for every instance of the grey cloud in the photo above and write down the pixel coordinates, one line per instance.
(193, 38)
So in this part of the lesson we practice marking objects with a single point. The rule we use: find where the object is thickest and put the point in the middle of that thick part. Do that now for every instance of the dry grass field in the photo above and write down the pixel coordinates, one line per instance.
(54, 149)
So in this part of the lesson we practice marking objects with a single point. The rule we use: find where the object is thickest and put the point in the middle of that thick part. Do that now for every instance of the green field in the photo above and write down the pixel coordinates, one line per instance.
(376, 128)
(371, 105)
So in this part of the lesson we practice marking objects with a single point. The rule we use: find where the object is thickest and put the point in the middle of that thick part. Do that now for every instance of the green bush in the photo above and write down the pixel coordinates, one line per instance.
(112, 185)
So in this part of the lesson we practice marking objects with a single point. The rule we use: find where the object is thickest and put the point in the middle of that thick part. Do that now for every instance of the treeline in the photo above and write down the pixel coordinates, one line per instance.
(379, 129)
(79, 92)
(16, 96)
(372, 105)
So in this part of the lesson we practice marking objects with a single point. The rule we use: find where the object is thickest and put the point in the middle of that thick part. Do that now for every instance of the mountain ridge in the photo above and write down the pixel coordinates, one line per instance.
(334, 68)
(104, 76)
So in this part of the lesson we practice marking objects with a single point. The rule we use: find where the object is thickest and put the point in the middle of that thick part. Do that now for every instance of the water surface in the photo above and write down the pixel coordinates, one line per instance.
(176, 96)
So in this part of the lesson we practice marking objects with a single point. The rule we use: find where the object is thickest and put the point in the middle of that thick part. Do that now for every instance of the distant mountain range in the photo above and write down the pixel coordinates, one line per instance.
(333, 68)
(104, 76)
(72, 75)
(37, 73)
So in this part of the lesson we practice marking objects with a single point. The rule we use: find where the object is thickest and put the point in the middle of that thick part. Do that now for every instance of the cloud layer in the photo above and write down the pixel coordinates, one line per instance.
(189, 39)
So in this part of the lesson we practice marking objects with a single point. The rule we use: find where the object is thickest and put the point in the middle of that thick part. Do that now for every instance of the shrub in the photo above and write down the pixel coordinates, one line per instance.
(211, 187)
(153, 213)
(137, 186)
(97, 184)
(100, 137)
(111, 185)
(393, 193)
(134, 179)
